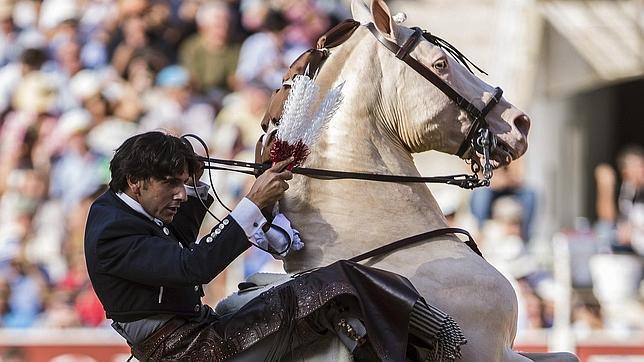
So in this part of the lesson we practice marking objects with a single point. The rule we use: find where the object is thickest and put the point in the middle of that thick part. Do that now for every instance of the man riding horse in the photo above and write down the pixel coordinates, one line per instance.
(148, 267)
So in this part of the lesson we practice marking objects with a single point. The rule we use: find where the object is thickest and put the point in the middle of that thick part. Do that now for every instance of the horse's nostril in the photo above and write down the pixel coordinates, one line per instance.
(522, 123)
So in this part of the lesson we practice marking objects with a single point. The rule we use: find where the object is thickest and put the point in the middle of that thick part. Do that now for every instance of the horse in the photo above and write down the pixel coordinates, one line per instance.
(390, 112)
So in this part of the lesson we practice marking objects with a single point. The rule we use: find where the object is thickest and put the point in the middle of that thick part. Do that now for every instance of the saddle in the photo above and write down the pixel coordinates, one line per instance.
(377, 314)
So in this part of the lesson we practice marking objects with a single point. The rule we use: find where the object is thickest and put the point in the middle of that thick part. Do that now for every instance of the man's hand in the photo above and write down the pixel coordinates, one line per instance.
(270, 186)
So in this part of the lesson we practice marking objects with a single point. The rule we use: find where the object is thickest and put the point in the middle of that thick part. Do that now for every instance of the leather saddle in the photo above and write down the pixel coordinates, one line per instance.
(378, 315)
(252, 287)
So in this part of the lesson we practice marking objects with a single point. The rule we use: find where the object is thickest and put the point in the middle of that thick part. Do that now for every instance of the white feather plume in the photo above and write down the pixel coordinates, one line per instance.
(297, 108)
(301, 120)
(328, 107)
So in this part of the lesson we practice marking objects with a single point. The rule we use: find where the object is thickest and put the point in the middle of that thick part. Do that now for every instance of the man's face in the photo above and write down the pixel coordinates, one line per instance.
(161, 198)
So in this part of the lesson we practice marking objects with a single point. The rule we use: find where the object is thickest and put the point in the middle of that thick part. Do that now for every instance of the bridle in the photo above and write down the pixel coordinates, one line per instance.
(479, 136)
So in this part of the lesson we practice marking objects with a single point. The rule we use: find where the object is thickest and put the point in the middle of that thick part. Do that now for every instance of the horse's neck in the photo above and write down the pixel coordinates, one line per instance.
(339, 219)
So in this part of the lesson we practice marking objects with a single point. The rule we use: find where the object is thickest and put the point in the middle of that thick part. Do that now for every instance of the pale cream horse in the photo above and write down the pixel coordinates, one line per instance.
(388, 113)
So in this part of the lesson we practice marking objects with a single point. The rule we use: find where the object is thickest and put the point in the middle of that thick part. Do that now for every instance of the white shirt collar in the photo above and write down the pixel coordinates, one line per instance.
(137, 207)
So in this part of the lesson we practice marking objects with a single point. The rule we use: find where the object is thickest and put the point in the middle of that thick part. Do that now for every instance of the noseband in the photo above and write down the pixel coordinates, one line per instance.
(479, 136)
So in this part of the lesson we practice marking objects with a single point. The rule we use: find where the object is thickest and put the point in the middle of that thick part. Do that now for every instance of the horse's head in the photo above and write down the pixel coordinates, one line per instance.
(425, 117)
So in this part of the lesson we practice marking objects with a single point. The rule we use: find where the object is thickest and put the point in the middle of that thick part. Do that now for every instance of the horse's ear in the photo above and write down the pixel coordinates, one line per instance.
(360, 11)
(382, 19)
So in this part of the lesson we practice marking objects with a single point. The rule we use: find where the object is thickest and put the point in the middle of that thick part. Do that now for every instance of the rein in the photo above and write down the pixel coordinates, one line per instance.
(461, 180)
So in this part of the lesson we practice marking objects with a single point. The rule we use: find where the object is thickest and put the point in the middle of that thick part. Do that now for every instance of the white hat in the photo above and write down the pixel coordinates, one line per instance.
(54, 12)
(109, 135)
(73, 121)
(85, 84)
(35, 93)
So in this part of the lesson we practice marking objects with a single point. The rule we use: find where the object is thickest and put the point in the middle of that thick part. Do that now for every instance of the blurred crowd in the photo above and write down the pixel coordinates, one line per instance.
(77, 77)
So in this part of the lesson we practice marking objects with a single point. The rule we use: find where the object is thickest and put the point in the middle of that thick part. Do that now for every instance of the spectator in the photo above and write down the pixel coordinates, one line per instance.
(5, 296)
(586, 315)
(134, 39)
(59, 311)
(241, 113)
(9, 49)
(266, 55)
(176, 108)
(617, 278)
(31, 60)
(88, 87)
(76, 171)
(27, 288)
(307, 22)
(506, 181)
(209, 55)
(624, 212)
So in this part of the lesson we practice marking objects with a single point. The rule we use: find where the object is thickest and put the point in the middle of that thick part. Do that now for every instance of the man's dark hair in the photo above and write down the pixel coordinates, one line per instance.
(151, 155)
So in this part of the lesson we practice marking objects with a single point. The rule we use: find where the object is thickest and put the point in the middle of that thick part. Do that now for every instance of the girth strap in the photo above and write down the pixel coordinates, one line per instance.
(388, 248)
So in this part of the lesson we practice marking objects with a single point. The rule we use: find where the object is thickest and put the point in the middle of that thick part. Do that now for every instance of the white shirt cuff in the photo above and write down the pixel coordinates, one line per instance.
(248, 216)
(279, 236)
(201, 190)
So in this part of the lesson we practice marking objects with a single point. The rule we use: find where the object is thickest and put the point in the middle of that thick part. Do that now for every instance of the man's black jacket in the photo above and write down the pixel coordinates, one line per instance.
(139, 269)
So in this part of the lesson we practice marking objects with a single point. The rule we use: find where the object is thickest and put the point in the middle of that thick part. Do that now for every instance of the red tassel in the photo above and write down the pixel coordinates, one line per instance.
(282, 150)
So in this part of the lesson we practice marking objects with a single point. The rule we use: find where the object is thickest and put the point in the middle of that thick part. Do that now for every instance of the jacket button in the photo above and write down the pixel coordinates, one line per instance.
(196, 288)
(166, 230)
(197, 307)
(225, 221)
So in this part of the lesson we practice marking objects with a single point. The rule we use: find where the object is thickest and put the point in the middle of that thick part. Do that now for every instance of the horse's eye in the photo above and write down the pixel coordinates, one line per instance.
(440, 64)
